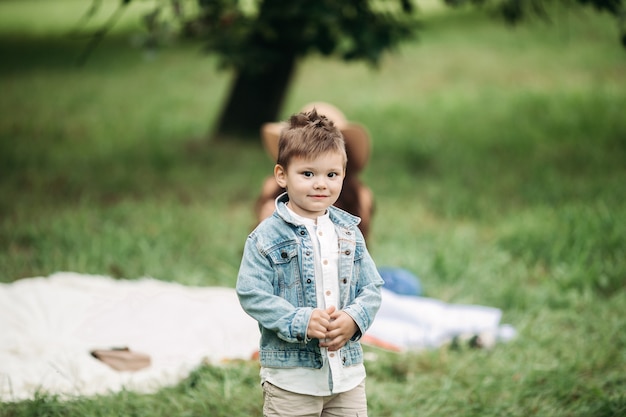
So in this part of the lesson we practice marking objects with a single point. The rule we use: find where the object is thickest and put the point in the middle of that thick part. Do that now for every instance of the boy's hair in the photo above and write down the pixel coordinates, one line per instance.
(309, 135)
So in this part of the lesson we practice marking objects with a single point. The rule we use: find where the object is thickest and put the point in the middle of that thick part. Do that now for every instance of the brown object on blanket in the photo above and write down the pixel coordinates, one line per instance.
(122, 359)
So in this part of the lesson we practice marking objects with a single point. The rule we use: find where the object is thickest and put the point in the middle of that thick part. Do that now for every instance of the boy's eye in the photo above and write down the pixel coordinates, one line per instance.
(307, 174)
(332, 174)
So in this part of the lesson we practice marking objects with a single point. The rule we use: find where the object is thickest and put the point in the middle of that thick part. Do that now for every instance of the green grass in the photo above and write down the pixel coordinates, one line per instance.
(498, 168)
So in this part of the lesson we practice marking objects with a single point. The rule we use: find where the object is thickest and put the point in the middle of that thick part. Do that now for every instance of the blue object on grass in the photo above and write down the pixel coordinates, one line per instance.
(400, 281)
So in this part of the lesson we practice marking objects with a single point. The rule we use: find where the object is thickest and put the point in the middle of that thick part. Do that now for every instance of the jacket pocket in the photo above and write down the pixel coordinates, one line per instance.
(285, 260)
(352, 354)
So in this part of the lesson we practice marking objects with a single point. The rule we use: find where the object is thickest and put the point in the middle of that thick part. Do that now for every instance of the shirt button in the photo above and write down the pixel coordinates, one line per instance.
(283, 255)
(347, 252)
(332, 355)
(328, 292)
(325, 261)
(345, 280)
(302, 232)
(320, 233)
(308, 281)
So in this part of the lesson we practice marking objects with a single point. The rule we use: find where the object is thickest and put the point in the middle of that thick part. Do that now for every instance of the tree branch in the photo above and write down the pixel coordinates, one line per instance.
(98, 35)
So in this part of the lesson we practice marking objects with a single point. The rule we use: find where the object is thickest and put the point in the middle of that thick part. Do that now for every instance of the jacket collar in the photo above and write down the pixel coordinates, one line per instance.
(339, 217)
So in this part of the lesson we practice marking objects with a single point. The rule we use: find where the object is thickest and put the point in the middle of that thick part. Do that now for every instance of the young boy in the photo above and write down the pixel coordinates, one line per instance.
(307, 278)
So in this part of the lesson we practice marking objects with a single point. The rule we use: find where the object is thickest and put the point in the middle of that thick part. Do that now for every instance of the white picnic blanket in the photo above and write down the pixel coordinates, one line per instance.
(418, 323)
(49, 325)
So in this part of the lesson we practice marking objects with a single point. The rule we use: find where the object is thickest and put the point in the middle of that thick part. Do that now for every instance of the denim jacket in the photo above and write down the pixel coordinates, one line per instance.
(276, 287)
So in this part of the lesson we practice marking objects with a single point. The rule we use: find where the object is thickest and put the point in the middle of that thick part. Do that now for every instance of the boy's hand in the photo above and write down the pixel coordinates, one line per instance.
(340, 329)
(319, 322)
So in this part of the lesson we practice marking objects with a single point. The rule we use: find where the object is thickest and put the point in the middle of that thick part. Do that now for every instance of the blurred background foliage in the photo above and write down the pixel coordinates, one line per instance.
(497, 166)
(263, 41)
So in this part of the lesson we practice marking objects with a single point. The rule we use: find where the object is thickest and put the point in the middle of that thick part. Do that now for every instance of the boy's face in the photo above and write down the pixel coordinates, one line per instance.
(313, 185)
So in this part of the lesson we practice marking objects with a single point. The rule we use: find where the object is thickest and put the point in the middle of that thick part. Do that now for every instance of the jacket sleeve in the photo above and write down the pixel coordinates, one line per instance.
(367, 301)
(256, 291)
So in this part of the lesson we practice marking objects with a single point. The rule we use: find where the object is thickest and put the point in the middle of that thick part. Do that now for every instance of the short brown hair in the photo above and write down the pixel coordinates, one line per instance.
(309, 135)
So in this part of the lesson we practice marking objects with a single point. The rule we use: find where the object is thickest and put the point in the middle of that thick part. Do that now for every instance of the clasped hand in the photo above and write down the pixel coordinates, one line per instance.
(332, 327)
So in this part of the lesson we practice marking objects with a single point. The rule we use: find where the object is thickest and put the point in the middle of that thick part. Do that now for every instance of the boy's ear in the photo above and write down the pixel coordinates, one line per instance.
(281, 175)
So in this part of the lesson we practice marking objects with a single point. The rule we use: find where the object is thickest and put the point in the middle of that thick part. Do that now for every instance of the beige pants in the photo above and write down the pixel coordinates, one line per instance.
(281, 403)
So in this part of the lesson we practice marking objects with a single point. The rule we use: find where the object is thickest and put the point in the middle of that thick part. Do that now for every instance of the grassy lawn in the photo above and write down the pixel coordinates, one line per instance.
(498, 166)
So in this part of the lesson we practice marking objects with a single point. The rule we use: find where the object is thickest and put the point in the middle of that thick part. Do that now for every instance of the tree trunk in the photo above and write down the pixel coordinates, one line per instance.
(256, 97)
